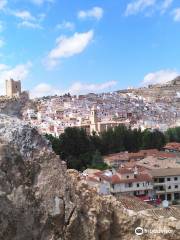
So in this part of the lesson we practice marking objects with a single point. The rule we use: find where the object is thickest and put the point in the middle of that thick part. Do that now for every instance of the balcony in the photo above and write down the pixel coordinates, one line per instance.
(170, 190)
(159, 184)
(160, 191)
(160, 188)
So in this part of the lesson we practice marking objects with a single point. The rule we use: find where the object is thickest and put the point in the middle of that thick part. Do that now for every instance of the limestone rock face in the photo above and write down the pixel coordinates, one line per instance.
(41, 200)
(15, 106)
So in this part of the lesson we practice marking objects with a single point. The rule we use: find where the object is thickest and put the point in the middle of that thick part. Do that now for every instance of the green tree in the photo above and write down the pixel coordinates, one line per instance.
(153, 139)
(137, 139)
(119, 135)
(55, 143)
(96, 142)
(97, 161)
(147, 139)
(173, 134)
(107, 141)
(80, 150)
(73, 142)
(159, 139)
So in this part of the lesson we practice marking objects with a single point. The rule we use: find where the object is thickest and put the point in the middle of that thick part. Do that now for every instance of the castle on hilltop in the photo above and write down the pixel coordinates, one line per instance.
(13, 89)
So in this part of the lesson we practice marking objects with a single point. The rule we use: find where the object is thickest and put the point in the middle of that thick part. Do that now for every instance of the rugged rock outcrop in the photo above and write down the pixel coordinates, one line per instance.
(41, 200)
(15, 106)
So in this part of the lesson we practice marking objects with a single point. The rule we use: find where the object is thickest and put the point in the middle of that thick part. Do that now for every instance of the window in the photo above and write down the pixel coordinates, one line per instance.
(127, 176)
(128, 185)
(161, 180)
(169, 187)
(169, 197)
(161, 188)
(177, 196)
(168, 179)
(137, 184)
(175, 178)
(176, 186)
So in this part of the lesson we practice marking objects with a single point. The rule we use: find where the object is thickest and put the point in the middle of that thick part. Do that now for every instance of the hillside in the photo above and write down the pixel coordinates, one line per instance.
(166, 91)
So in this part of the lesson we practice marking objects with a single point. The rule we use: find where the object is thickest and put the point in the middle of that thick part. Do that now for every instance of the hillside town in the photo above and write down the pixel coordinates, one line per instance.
(156, 107)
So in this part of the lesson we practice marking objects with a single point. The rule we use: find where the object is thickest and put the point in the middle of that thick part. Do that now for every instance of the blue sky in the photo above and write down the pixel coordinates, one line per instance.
(58, 46)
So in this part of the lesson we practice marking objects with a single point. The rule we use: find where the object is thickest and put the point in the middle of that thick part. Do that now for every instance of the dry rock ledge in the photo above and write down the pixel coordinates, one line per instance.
(41, 200)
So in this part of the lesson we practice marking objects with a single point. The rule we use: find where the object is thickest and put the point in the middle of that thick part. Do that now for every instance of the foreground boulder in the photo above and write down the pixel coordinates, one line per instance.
(41, 200)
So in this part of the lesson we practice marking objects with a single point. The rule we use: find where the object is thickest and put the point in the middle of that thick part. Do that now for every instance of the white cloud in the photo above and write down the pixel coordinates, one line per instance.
(165, 5)
(2, 43)
(44, 89)
(69, 46)
(3, 67)
(27, 19)
(24, 15)
(66, 25)
(138, 6)
(41, 2)
(78, 87)
(2, 26)
(95, 12)
(29, 24)
(161, 76)
(41, 17)
(176, 14)
(3, 3)
(19, 72)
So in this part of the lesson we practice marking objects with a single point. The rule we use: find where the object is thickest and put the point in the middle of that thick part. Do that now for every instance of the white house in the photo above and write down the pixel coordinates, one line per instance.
(167, 183)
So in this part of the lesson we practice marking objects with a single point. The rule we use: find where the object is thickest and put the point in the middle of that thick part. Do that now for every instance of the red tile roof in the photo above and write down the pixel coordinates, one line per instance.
(139, 178)
(122, 156)
(125, 156)
(116, 178)
(173, 146)
(166, 155)
(125, 171)
(149, 152)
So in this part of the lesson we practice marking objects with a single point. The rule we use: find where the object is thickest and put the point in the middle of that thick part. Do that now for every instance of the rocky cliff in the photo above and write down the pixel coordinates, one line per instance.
(41, 200)
(15, 106)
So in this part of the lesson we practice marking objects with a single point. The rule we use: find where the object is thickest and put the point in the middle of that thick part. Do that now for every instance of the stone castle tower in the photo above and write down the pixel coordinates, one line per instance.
(13, 88)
